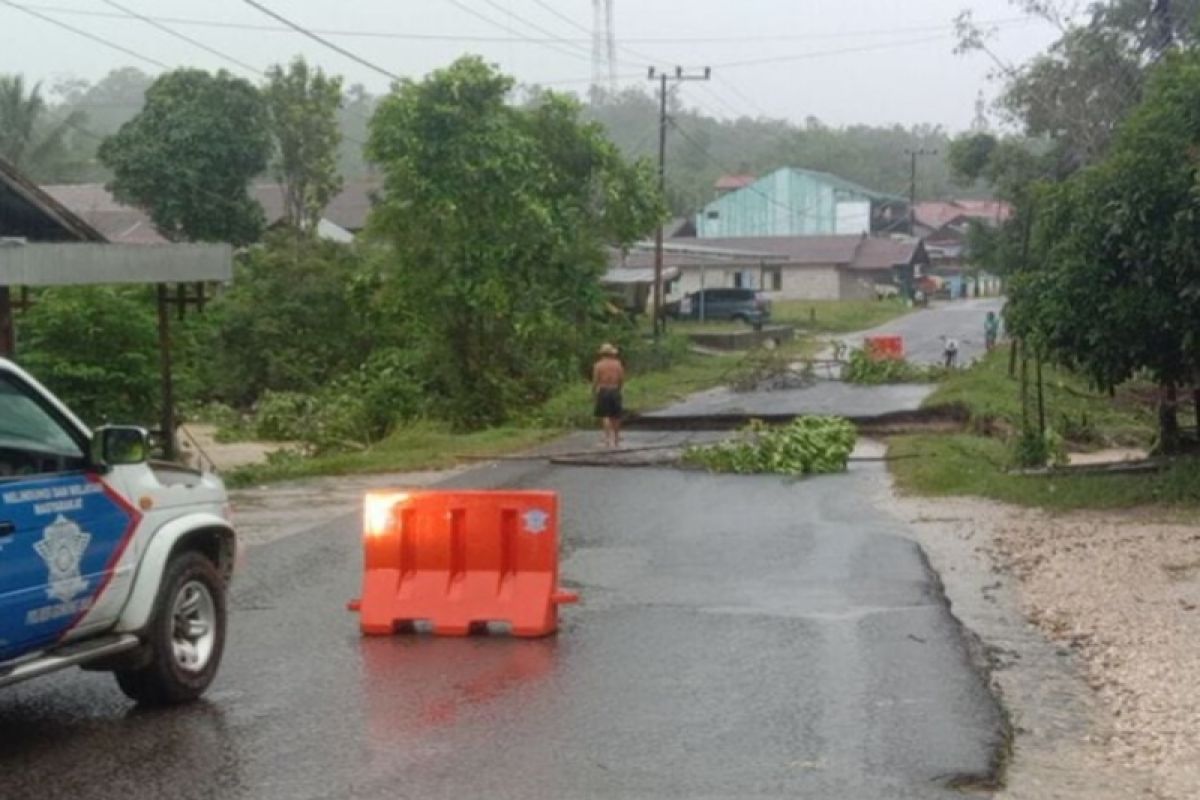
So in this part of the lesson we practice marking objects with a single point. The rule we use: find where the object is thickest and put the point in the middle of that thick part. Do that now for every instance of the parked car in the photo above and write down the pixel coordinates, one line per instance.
(107, 560)
(746, 305)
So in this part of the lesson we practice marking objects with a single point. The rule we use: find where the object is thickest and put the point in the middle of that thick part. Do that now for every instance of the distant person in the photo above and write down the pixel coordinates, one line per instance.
(608, 379)
(950, 351)
(991, 330)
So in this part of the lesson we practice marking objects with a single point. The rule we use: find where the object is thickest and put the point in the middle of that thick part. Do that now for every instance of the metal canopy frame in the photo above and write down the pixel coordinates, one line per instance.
(42, 243)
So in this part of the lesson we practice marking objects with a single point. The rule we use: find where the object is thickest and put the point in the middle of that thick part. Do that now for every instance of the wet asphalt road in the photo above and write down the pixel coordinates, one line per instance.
(923, 331)
(738, 638)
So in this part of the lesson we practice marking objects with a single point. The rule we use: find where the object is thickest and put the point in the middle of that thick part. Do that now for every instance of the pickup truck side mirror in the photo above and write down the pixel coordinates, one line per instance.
(116, 445)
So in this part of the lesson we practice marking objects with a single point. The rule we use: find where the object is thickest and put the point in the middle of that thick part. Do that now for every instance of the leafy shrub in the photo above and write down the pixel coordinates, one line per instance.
(97, 349)
(641, 354)
(807, 445)
(861, 368)
(283, 416)
(1031, 449)
(290, 321)
(353, 411)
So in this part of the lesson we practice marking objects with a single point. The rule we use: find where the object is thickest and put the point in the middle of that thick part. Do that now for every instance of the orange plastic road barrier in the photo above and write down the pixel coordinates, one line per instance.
(458, 560)
(881, 348)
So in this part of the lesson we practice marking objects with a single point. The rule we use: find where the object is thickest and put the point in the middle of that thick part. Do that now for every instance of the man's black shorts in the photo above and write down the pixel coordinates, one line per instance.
(608, 404)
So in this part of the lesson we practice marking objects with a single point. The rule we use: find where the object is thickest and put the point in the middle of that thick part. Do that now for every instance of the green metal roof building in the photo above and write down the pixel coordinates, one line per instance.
(801, 202)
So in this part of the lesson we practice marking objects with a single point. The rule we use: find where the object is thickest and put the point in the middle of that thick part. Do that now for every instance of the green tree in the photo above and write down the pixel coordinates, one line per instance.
(291, 321)
(188, 156)
(302, 105)
(107, 104)
(498, 218)
(97, 348)
(33, 137)
(1114, 283)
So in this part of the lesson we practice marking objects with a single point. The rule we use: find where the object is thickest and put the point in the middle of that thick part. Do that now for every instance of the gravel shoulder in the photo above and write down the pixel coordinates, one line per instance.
(1092, 627)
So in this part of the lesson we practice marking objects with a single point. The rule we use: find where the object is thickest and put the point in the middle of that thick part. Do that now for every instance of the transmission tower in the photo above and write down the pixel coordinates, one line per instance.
(980, 123)
(604, 47)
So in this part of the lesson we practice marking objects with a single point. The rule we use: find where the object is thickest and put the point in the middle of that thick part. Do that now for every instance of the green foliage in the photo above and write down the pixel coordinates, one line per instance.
(302, 106)
(97, 111)
(292, 320)
(837, 316)
(862, 369)
(1114, 286)
(1031, 449)
(940, 465)
(188, 156)
(1081, 416)
(498, 218)
(35, 137)
(353, 411)
(807, 445)
(421, 445)
(97, 349)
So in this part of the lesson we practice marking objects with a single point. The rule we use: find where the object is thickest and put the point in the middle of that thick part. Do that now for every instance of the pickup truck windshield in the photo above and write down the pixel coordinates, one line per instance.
(31, 439)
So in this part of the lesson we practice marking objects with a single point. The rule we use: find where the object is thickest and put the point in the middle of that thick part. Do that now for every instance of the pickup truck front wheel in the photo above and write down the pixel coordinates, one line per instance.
(185, 638)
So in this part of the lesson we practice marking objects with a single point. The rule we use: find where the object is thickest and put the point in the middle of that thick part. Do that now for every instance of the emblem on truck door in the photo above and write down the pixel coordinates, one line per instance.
(61, 547)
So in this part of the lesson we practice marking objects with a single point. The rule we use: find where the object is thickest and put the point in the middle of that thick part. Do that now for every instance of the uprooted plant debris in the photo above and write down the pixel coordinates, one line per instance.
(805, 446)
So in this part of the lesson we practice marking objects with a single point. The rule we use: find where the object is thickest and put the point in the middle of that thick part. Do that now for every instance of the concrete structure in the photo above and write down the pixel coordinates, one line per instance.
(799, 202)
(788, 267)
(53, 264)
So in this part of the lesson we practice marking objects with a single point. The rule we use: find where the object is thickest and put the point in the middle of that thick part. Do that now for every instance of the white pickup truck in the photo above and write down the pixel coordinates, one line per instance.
(107, 561)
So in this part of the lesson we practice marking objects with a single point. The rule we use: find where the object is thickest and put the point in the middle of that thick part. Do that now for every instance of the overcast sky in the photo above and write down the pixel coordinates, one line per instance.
(843, 61)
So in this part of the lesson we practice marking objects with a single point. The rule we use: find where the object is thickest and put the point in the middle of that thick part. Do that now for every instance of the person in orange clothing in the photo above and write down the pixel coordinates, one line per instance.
(608, 379)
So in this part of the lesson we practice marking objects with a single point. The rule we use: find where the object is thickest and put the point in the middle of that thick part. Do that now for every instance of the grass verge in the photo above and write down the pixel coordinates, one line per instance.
(416, 447)
(694, 372)
(963, 464)
(434, 446)
(837, 316)
(1082, 417)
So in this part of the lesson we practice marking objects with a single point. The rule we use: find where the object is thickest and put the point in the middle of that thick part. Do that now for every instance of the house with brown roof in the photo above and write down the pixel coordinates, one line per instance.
(786, 267)
(345, 215)
(731, 183)
(944, 225)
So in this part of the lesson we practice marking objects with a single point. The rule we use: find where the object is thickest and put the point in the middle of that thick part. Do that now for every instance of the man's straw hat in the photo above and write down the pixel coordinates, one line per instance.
(607, 349)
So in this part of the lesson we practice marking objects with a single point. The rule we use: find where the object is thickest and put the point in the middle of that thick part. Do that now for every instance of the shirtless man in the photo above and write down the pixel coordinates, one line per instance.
(608, 378)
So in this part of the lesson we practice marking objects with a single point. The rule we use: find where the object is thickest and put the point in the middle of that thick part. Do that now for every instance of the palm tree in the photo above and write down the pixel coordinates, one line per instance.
(32, 137)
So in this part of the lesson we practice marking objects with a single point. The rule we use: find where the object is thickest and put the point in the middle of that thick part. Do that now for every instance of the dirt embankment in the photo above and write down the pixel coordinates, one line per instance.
(1118, 597)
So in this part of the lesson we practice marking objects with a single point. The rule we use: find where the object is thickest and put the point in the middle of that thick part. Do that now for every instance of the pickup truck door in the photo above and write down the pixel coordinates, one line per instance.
(62, 530)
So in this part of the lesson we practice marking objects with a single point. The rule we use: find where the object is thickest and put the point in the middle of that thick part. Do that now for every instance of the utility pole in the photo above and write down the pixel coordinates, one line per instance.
(912, 185)
(678, 76)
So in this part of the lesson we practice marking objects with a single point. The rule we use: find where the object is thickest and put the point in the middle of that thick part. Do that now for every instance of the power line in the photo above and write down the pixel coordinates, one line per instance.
(326, 42)
(534, 26)
(183, 37)
(512, 39)
(553, 44)
(741, 96)
(85, 34)
(578, 26)
(752, 62)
